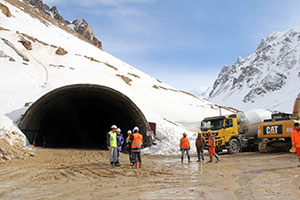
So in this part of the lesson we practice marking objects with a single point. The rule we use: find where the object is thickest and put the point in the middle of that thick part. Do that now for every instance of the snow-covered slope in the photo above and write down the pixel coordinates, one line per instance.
(269, 78)
(27, 74)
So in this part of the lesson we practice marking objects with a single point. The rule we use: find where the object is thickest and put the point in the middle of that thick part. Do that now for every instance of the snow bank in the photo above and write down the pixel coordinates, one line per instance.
(10, 132)
(168, 137)
(12, 141)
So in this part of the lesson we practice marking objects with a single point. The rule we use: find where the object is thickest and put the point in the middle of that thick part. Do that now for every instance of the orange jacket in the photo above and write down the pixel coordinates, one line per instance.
(295, 138)
(211, 141)
(137, 141)
(184, 143)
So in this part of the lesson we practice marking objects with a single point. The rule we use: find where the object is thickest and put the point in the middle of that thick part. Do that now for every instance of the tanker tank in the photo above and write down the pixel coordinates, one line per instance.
(248, 121)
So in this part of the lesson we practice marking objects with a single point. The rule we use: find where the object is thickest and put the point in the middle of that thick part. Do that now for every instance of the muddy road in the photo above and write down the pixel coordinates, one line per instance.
(86, 174)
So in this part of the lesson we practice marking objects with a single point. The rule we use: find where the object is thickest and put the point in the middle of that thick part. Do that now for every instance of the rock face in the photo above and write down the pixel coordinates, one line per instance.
(60, 51)
(5, 10)
(272, 69)
(26, 44)
(80, 25)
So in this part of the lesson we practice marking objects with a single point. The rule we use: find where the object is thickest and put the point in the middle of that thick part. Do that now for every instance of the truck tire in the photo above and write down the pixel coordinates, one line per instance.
(234, 146)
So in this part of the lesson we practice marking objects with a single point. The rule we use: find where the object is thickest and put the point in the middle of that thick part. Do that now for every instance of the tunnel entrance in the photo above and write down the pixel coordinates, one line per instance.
(80, 116)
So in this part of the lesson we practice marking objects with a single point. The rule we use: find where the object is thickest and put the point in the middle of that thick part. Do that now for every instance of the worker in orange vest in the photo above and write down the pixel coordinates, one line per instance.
(200, 143)
(212, 146)
(185, 147)
(296, 139)
(136, 143)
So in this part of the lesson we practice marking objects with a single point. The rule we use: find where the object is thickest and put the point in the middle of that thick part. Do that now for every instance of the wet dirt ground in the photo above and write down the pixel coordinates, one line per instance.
(86, 174)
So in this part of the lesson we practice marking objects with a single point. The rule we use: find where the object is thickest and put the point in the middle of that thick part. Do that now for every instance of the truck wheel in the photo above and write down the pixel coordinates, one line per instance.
(234, 146)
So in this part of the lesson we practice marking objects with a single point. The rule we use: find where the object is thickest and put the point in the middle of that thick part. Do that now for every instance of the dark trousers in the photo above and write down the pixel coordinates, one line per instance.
(130, 156)
(200, 153)
(136, 157)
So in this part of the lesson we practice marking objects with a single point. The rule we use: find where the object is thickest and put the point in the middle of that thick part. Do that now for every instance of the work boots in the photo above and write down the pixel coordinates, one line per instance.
(217, 157)
(189, 159)
(138, 165)
(210, 159)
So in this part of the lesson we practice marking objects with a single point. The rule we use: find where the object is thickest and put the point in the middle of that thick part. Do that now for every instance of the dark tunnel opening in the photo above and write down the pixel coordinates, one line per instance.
(80, 116)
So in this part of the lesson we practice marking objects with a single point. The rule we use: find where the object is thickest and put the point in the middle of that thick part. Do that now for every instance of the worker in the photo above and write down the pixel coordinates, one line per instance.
(112, 145)
(120, 142)
(200, 143)
(296, 139)
(212, 146)
(128, 147)
(185, 147)
(136, 142)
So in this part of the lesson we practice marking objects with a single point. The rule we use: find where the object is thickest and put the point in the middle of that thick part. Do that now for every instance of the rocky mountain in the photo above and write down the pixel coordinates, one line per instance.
(79, 25)
(268, 78)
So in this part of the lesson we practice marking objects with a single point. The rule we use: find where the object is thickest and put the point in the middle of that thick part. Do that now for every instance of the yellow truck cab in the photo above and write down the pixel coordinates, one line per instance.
(226, 131)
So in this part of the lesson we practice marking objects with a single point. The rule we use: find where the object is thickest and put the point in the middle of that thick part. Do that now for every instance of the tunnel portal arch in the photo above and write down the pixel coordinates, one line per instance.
(80, 116)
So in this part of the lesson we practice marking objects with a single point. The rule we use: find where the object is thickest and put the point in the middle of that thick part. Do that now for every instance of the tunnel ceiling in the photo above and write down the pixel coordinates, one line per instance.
(80, 116)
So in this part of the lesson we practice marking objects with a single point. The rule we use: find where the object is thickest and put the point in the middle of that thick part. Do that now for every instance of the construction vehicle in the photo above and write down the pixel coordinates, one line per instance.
(275, 133)
(235, 132)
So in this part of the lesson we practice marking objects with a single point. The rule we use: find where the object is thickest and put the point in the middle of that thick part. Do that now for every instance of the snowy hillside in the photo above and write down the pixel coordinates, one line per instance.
(37, 57)
(269, 78)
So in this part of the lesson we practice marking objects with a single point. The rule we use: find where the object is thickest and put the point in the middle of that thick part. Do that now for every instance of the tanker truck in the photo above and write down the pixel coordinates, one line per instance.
(235, 132)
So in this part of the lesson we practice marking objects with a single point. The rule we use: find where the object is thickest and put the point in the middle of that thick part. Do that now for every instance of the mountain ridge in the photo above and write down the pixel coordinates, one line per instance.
(258, 79)
(80, 26)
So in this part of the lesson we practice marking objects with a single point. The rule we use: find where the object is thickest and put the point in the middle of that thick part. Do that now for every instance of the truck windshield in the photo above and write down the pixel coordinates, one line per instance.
(211, 124)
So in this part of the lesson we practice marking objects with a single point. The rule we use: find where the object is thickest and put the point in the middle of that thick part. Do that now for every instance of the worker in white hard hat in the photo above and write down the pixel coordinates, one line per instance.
(120, 142)
(128, 147)
(136, 142)
(112, 145)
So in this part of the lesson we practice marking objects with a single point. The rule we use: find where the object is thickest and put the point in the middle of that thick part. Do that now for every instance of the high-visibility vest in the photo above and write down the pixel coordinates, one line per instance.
(137, 141)
(202, 140)
(211, 141)
(127, 140)
(295, 138)
(113, 139)
(185, 143)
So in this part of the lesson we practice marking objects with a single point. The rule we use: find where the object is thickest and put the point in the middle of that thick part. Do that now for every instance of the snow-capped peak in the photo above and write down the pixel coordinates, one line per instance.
(268, 78)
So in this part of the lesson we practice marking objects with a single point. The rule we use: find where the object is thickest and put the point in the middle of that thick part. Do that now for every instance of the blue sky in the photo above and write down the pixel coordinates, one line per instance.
(184, 43)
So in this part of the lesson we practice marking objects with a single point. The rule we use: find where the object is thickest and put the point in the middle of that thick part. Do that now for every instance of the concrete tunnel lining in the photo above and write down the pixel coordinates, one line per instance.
(79, 116)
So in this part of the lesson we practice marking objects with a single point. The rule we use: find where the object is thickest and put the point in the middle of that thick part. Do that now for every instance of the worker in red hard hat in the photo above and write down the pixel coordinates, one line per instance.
(296, 139)
(212, 146)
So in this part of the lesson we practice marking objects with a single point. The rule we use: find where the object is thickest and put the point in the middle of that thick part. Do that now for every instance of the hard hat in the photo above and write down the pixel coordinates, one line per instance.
(129, 132)
(118, 130)
(114, 126)
(199, 132)
(184, 134)
(136, 128)
(209, 131)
